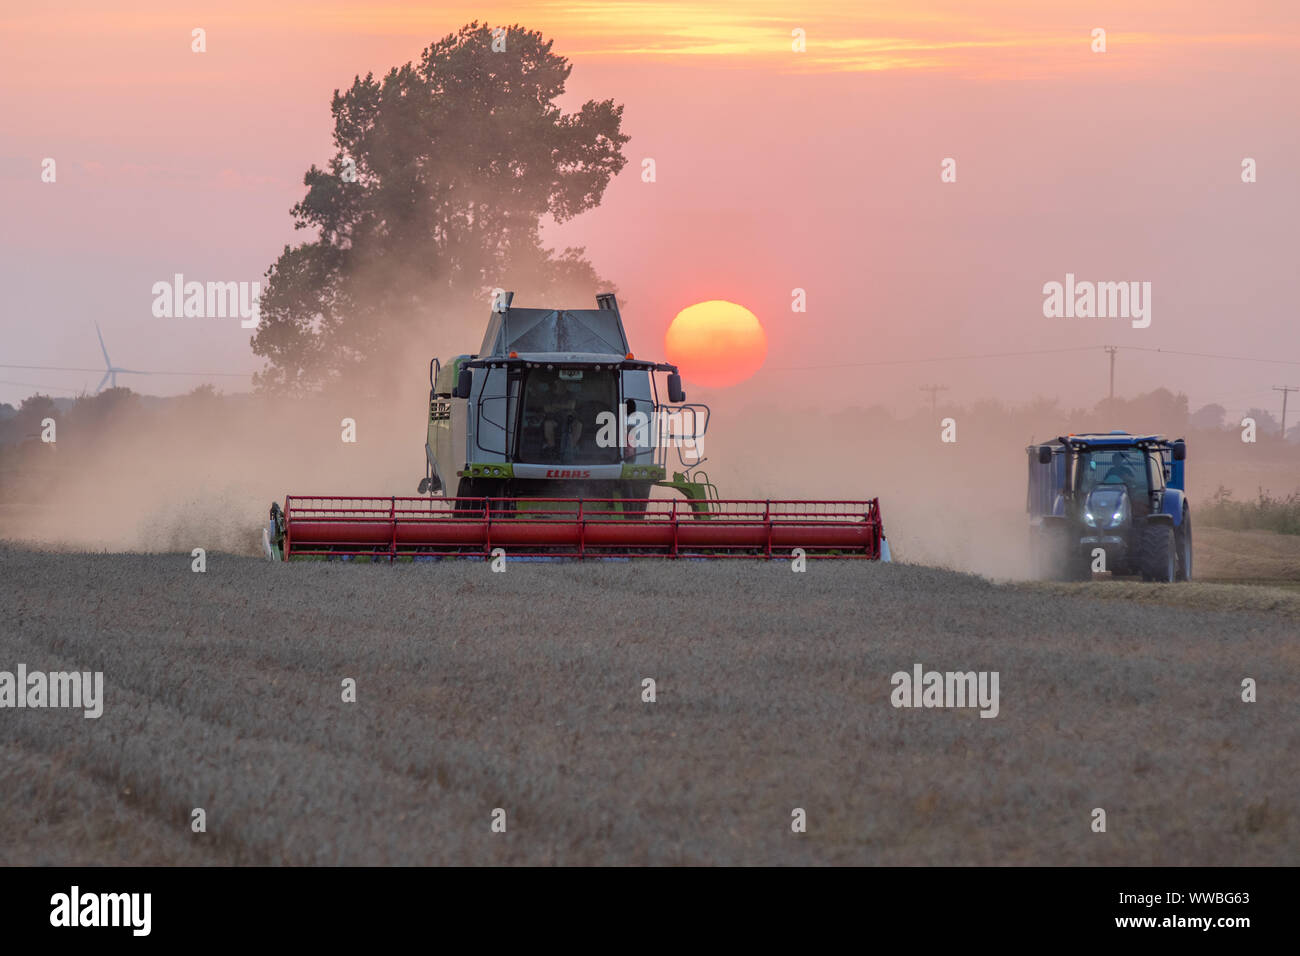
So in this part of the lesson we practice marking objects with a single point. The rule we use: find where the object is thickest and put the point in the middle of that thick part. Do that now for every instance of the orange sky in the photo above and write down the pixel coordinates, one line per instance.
(777, 170)
(959, 35)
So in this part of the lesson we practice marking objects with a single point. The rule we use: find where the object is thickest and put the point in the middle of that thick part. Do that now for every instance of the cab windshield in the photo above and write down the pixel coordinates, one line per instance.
(558, 416)
(1121, 466)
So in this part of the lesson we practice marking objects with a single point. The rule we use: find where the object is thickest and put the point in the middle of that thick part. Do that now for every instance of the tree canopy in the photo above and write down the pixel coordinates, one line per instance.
(443, 175)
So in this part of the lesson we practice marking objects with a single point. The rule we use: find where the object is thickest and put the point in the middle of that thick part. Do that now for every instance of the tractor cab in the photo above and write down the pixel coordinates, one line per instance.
(1111, 484)
(1110, 501)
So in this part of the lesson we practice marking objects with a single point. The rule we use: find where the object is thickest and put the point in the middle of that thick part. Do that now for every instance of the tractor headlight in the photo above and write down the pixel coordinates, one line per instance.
(1121, 513)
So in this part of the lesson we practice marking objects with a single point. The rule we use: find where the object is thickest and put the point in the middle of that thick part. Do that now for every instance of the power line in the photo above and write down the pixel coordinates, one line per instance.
(67, 368)
(807, 368)
(56, 388)
(946, 358)
(934, 391)
(1213, 355)
(1285, 390)
(989, 355)
(1111, 350)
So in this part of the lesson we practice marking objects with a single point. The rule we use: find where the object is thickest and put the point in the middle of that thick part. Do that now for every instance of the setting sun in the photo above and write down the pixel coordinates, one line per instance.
(716, 343)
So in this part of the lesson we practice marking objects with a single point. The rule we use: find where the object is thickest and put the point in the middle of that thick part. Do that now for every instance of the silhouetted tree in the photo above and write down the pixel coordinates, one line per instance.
(1156, 411)
(92, 415)
(1208, 417)
(443, 173)
(1266, 426)
(31, 412)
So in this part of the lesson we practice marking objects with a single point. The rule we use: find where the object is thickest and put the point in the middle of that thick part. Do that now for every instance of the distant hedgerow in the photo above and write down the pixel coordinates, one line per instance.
(1265, 513)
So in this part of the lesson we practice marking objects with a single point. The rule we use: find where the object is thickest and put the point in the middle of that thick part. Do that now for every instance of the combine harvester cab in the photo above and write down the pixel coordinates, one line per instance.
(1118, 494)
(553, 438)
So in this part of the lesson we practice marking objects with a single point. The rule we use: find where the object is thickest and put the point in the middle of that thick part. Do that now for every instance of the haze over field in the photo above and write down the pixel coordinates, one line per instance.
(776, 170)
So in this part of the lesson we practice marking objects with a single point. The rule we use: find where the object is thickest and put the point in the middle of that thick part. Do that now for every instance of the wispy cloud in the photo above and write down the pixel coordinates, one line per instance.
(952, 35)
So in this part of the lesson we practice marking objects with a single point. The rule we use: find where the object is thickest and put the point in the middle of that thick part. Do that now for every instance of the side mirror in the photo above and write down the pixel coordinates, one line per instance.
(631, 406)
(1044, 454)
(465, 383)
(675, 393)
(1180, 450)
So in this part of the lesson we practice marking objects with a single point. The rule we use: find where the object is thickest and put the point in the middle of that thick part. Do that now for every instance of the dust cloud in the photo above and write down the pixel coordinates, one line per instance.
(202, 471)
(132, 473)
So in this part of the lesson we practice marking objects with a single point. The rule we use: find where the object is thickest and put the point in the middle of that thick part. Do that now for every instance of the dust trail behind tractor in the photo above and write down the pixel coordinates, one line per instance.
(404, 528)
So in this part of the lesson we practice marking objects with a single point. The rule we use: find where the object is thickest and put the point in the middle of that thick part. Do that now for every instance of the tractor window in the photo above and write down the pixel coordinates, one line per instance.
(558, 422)
(1156, 471)
(1121, 466)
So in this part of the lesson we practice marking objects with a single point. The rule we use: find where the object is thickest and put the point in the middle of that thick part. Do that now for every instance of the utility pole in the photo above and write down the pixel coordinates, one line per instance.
(934, 391)
(1112, 349)
(1284, 389)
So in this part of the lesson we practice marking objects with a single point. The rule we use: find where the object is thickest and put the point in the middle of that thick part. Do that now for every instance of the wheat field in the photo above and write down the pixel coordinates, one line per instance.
(524, 690)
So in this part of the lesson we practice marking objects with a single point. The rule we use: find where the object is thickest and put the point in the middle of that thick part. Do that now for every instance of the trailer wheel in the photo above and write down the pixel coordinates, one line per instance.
(1046, 547)
(1159, 554)
(1185, 546)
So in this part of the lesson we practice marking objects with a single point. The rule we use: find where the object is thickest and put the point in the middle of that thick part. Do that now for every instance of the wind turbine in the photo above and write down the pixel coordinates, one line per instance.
(111, 374)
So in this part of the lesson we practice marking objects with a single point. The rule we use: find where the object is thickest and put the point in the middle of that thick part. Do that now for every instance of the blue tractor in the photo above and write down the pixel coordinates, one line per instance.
(1111, 495)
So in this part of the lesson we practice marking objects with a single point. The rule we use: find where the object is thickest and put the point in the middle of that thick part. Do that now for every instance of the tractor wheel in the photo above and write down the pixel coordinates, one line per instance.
(1159, 559)
(1078, 565)
(1056, 556)
(1185, 546)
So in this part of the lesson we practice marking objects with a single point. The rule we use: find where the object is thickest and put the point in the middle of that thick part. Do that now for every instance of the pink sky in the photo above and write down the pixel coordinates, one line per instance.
(776, 170)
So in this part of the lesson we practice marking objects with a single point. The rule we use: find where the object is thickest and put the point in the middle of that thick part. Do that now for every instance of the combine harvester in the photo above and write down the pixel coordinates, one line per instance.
(555, 437)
